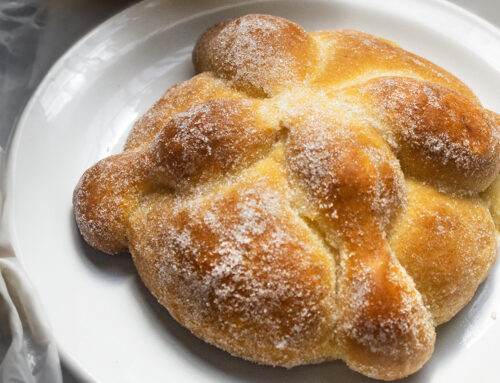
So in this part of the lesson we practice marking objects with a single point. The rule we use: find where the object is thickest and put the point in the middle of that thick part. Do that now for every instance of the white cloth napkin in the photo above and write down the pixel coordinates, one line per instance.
(28, 352)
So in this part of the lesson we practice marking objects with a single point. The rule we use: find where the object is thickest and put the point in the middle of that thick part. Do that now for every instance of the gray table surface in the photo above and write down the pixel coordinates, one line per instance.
(35, 33)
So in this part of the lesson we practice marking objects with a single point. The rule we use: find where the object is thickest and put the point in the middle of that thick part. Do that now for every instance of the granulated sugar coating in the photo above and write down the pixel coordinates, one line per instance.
(308, 197)
(261, 55)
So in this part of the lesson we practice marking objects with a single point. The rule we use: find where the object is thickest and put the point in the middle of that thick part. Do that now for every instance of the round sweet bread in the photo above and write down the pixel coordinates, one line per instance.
(306, 197)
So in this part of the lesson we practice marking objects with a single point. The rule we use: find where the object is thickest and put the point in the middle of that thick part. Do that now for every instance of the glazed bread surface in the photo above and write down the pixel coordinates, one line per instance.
(306, 197)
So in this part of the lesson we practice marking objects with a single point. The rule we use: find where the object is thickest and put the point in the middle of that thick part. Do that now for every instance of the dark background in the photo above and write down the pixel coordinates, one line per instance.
(33, 35)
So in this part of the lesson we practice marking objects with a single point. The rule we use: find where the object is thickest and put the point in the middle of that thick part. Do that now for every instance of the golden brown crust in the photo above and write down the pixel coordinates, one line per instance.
(352, 56)
(261, 54)
(348, 171)
(438, 134)
(458, 251)
(267, 202)
(492, 194)
(385, 331)
(355, 184)
(105, 197)
(240, 269)
(201, 88)
(210, 139)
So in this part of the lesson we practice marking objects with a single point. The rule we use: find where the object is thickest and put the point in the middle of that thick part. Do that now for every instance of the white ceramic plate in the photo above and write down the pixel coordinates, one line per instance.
(108, 326)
